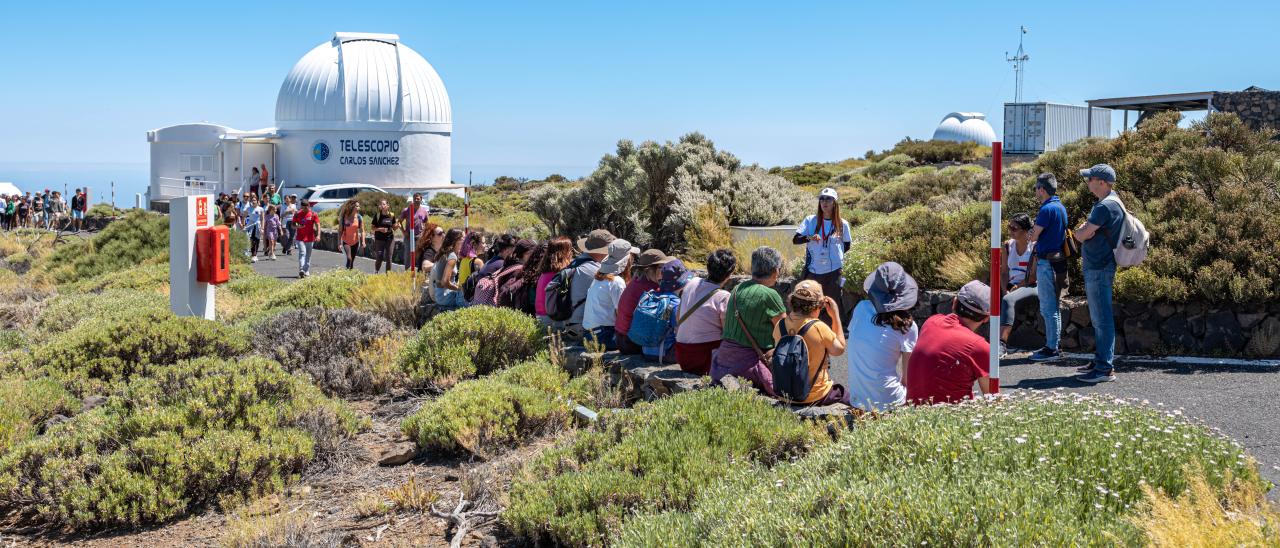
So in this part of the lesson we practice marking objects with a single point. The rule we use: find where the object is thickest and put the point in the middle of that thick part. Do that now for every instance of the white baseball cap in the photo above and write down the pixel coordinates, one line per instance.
(828, 193)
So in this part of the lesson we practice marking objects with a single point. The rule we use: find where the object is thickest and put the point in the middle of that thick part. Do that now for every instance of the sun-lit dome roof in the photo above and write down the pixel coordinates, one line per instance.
(964, 127)
(363, 81)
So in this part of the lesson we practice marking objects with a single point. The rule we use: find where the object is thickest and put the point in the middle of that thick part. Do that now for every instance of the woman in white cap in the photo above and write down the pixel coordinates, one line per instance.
(826, 239)
(882, 335)
(601, 308)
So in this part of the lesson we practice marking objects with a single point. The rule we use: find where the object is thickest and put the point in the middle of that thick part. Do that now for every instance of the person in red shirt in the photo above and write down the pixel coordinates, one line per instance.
(949, 355)
(308, 225)
(650, 263)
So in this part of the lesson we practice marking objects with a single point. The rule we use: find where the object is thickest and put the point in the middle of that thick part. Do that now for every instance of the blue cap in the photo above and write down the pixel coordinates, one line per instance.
(674, 276)
(1101, 171)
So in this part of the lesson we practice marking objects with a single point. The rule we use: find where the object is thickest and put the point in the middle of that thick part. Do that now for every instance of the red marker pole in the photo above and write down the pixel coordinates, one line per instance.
(996, 246)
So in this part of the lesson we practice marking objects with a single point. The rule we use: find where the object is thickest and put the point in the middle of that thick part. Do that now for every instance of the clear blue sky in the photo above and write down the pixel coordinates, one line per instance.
(539, 87)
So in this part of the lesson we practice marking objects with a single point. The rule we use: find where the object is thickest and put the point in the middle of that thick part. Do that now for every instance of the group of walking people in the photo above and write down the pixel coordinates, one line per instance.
(46, 210)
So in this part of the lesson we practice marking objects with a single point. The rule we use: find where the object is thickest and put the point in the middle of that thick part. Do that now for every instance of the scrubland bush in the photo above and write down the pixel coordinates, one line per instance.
(956, 185)
(886, 168)
(1043, 469)
(654, 458)
(936, 151)
(101, 353)
(329, 289)
(149, 277)
(27, 404)
(127, 242)
(446, 201)
(1201, 516)
(708, 231)
(64, 312)
(393, 295)
(183, 436)
(483, 415)
(326, 344)
(1140, 285)
(472, 341)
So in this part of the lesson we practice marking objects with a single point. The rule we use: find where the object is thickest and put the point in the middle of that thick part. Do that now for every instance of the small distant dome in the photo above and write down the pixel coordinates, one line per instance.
(965, 127)
(363, 81)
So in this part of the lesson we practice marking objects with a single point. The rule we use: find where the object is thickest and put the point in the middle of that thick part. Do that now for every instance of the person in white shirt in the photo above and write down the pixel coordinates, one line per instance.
(601, 308)
(882, 335)
(826, 238)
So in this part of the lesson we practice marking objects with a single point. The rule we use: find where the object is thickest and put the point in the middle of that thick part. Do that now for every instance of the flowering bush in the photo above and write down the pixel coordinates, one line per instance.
(1041, 468)
(654, 458)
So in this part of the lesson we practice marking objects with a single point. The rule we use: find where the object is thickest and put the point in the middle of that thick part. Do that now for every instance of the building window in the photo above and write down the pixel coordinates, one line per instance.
(196, 163)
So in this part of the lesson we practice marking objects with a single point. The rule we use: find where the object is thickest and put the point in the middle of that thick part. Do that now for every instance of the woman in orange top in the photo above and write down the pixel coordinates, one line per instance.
(807, 304)
(351, 227)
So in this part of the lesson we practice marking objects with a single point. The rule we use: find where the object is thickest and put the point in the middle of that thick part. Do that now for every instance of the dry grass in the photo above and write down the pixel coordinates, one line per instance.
(1199, 518)
(960, 268)
(792, 254)
(381, 355)
(392, 295)
(269, 522)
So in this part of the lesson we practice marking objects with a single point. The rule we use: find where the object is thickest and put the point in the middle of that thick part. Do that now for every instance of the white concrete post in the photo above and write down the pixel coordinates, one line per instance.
(187, 297)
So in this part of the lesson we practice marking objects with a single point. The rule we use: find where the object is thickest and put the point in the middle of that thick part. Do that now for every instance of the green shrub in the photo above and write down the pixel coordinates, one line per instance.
(1140, 285)
(137, 237)
(103, 210)
(27, 404)
(392, 295)
(483, 415)
(656, 457)
(187, 434)
(100, 353)
(708, 232)
(446, 200)
(472, 341)
(952, 185)
(150, 277)
(369, 203)
(324, 344)
(935, 151)
(887, 168)
(246, 282)
(330, 289)
(1045, 469)
(64, 312)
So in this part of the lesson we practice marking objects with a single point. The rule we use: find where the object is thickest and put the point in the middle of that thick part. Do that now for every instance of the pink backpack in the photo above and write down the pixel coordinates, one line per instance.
(487, 287)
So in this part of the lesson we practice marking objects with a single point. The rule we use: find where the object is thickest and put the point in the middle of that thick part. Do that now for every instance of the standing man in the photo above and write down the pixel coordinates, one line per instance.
(1049, 271)
(77, 209)
(413, 220)
(308, 227)
(1099, 236)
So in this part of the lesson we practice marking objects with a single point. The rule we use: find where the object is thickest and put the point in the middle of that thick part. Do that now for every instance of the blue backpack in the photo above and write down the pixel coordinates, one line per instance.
(652, 320)
(790, 364)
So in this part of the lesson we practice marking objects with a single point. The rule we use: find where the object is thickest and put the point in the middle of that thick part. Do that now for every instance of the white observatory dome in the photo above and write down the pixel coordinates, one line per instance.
(964, 127)
(363, 81)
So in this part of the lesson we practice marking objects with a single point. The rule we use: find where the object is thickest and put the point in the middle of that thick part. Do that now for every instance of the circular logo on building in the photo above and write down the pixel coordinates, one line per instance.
(320, 151)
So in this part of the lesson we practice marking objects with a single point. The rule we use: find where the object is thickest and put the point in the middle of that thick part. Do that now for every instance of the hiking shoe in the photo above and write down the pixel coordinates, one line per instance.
(301, 274)
(1096, 376)
(1004, 350)
(253, 259)
(1045, 354)
(1086, 368)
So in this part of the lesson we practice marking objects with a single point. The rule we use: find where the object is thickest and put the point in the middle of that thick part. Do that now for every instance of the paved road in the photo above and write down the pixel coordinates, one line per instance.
(1242, 402)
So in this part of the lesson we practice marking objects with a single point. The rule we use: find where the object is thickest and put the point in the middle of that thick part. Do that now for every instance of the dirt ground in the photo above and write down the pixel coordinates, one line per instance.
(352, 501)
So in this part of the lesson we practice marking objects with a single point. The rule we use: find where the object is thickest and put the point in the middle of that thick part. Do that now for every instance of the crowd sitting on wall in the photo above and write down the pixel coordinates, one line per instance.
(607, 293)
(46, 210)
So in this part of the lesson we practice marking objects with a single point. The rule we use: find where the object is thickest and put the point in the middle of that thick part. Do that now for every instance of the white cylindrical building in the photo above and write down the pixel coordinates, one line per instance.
(359, 108)
(965, 127)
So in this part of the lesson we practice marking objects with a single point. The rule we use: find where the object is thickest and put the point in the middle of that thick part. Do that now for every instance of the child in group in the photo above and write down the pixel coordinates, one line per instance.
(272, 231)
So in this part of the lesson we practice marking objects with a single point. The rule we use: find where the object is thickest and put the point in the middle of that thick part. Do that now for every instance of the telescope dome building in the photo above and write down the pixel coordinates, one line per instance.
(965, 127)
(358, 108)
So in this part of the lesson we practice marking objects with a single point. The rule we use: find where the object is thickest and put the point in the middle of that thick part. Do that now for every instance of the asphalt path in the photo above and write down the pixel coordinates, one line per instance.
(1242, 402)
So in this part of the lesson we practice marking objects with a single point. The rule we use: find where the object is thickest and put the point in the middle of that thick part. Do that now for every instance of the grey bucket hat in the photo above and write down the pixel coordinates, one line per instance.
(890, 288)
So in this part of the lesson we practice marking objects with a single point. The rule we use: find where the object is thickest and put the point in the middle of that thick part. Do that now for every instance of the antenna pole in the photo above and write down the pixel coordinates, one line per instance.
(1019, 62)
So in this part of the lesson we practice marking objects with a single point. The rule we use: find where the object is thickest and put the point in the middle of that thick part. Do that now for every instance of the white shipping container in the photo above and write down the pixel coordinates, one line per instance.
(1035, 128)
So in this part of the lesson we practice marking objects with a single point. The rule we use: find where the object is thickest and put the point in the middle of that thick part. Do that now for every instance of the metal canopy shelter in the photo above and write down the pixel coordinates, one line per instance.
(1149, 104)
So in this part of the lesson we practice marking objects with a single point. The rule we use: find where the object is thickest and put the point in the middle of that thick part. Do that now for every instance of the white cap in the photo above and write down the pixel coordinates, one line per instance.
(828, 193)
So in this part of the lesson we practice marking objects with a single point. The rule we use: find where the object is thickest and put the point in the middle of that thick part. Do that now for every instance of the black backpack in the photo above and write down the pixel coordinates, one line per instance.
(790, 364)
(560, 305)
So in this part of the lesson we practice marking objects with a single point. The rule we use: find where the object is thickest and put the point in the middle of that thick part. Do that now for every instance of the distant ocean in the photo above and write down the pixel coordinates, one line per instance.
(133, 179)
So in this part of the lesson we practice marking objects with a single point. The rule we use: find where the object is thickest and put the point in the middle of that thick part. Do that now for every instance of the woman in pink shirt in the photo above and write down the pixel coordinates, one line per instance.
(700, 317)
(557, 257)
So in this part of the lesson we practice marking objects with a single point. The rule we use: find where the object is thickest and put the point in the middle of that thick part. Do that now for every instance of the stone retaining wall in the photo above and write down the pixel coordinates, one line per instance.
(1257, 107)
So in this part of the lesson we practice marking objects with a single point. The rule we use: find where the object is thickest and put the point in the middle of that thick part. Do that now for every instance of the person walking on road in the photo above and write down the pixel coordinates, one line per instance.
(308, 224)
(384, 233)
(1099, 236)
(351, 231)
(271, 228)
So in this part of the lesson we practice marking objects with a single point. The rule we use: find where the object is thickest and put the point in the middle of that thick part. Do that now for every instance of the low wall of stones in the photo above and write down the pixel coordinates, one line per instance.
(1257, 108)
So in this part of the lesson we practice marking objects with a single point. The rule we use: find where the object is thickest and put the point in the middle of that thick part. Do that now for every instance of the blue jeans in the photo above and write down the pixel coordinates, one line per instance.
(304, 256)
(1047, 291)
(605, 336)
(1097, 286)
(449, 299)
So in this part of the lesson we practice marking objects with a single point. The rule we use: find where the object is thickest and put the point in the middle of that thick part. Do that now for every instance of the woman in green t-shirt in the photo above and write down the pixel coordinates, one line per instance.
(754, 310)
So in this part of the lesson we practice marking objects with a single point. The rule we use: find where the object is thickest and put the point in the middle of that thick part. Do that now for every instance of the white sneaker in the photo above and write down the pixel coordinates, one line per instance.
(253, 259)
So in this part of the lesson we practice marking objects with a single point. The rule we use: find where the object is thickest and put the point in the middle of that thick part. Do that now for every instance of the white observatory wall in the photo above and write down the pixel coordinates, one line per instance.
(166, 161)
(422, 159)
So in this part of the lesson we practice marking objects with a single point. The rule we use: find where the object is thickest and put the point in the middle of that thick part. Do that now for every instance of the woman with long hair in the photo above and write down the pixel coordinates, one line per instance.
(600, 310)
(826, 238)
(384, 236)
(557, 257)
(882, 334)
(526, 300)
(444, 275)
(351, 230)
(429, 246)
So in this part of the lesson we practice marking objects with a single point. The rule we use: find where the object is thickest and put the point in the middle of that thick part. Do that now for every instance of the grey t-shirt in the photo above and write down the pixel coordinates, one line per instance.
(1097, 251)
(582, 278)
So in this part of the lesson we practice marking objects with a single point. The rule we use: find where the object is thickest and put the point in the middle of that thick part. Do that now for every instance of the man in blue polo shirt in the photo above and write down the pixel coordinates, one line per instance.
(1049, 274)
(1098, 237)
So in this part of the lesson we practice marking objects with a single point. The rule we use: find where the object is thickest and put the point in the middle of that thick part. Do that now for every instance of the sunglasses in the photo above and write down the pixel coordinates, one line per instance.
(826, 199)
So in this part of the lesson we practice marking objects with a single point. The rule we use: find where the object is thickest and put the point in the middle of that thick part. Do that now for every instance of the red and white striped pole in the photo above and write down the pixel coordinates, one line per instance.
(996, 245)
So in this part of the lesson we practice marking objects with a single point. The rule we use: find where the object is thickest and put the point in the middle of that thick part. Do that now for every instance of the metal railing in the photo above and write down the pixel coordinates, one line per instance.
(172, 187)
